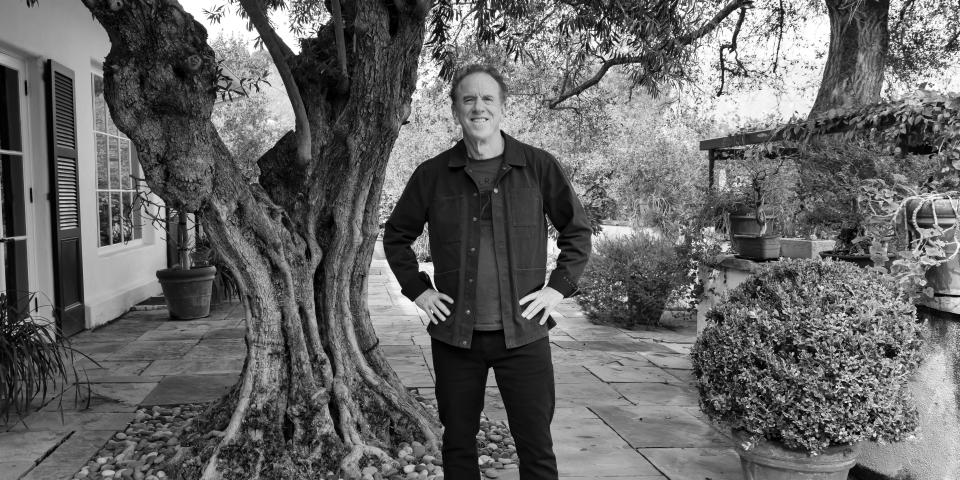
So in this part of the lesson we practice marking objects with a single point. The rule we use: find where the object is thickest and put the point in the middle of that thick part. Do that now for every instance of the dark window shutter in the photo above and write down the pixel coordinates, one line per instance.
(68, 263)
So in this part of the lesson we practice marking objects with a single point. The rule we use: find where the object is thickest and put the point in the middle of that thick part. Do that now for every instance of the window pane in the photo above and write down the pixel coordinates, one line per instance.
(116, 218)
(99, 105)
(103, 204)
(135, 213)
(127, 182)
(111, 128)
(102, 169)
(114, 164)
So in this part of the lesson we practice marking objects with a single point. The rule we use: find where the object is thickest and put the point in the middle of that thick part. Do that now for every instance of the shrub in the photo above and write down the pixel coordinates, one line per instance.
(629, 280)
(421, 247)
(33, 357)
(811, 354)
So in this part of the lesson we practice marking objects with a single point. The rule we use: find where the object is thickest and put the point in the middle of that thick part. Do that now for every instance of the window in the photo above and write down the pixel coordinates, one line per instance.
(119, 220)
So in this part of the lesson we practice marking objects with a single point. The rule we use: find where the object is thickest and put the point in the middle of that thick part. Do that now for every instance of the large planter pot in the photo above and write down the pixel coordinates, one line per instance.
(945, 210)
(944, 278)
(771, 461)
(755, 247)
(187, 292)
(747, 224)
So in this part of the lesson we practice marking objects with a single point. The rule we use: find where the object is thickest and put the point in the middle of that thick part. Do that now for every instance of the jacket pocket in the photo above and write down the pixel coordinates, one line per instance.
(529, 280)
(448, 282)
(446, 216)
(526, 207)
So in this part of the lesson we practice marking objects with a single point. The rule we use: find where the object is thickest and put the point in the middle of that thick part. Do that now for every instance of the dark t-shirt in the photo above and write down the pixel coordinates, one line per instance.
(484, 173)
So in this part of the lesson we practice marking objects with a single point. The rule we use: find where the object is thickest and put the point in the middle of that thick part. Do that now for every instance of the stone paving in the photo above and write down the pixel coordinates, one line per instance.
(626, 402)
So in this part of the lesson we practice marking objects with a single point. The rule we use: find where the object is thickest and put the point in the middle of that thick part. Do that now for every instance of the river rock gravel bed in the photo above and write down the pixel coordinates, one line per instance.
(142, 450)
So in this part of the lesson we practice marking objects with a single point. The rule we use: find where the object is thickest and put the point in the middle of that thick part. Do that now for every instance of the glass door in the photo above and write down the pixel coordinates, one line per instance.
(13, 231)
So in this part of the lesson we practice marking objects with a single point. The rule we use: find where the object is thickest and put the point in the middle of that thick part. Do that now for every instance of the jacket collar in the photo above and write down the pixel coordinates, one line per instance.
(512, 154)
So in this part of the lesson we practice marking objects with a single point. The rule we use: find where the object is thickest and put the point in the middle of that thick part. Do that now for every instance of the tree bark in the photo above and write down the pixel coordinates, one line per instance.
(316, 393)
(859, 41)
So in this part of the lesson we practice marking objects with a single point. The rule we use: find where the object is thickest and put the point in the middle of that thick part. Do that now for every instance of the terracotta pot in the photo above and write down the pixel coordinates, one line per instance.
(757, 248)
(772, 461)
(187, 292)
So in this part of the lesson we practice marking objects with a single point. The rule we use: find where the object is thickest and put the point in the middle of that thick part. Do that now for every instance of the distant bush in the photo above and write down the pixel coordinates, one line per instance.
(629, 280)
(421, 247)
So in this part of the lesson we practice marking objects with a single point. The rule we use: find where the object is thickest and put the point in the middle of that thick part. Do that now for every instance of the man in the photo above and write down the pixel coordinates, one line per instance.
(484, 201)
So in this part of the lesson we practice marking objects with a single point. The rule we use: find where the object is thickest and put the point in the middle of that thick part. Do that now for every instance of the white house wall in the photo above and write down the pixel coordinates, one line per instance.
(115, 277)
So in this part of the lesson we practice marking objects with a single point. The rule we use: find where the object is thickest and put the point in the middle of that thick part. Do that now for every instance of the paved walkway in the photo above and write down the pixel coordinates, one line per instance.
(626, 403)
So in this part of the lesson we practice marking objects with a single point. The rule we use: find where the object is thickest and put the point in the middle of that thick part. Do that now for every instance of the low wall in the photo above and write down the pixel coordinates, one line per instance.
(934, 453)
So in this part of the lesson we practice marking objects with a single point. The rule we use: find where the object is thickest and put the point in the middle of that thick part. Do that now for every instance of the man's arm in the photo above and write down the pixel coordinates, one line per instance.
(401, 230)
(563, 207)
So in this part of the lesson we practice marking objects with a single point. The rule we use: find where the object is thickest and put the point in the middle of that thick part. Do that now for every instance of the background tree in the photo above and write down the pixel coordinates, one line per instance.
(245, 121)
(653, 42)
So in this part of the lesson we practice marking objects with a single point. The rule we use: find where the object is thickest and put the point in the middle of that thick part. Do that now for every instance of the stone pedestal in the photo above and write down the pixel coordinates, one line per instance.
(722, 275)
(804, 248)
(935, 452)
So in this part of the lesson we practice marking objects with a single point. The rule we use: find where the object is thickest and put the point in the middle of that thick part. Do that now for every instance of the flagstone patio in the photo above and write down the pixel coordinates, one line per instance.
(626, 402)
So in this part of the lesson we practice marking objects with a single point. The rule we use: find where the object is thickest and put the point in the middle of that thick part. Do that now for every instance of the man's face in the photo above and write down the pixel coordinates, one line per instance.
(479, 107)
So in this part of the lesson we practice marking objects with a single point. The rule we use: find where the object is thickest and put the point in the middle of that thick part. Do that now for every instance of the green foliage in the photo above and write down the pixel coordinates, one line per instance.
(630, 279)
(34, 357)
(811, 354)
(246, 123)
(421, 247)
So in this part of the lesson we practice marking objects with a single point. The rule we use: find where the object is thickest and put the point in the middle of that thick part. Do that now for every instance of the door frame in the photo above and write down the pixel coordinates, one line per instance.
(42, 306)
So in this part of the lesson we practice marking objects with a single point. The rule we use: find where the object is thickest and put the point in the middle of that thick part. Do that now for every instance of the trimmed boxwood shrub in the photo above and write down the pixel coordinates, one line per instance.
(629, 280)
(811, 354)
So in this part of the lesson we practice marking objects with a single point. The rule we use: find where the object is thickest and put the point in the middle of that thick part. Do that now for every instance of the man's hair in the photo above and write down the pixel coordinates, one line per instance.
(466, 70)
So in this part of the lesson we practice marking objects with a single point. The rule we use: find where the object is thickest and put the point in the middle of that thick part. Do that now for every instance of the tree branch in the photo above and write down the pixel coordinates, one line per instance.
(280, 52)
(732, 48)
(680, 41)
(337, 14)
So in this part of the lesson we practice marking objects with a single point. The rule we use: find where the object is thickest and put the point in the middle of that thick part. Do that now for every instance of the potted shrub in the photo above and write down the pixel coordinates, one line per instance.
(187, 287)
(754, 222)
(805, 360)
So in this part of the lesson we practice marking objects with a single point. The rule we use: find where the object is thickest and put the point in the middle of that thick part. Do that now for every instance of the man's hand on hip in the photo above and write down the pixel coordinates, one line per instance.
(431, 301)
(546, 300)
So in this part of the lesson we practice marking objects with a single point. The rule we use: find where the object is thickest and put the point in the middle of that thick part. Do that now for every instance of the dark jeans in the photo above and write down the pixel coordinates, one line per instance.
(525, 377)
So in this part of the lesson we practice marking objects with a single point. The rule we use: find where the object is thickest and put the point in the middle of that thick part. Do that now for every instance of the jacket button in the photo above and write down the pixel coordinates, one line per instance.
(473, 249)
(474, 194)
(470, 280)
(463, 342)
(474, 219)
(496, 190)
(468, 312)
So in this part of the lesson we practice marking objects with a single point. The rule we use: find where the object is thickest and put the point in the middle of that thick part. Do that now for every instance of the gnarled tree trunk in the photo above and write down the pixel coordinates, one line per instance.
(316, 393)
(859, 41)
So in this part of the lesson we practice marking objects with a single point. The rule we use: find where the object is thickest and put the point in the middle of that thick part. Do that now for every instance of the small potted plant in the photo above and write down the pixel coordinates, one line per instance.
(187, 285)
(754, 221)
(805, 360)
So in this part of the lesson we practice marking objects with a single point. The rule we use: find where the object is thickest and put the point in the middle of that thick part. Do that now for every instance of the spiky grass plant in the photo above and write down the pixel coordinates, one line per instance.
(35, 359)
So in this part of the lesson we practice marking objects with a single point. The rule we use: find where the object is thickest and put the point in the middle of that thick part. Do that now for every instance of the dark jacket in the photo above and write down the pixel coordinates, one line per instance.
(442, 194)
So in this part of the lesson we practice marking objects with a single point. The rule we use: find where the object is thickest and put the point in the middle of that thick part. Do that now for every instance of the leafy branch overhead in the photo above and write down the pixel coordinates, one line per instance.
(927, 123)
(655, 38)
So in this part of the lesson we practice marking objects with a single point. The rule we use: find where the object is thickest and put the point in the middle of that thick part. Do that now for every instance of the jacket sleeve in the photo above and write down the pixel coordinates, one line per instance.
(565, 211)
(402, 228)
